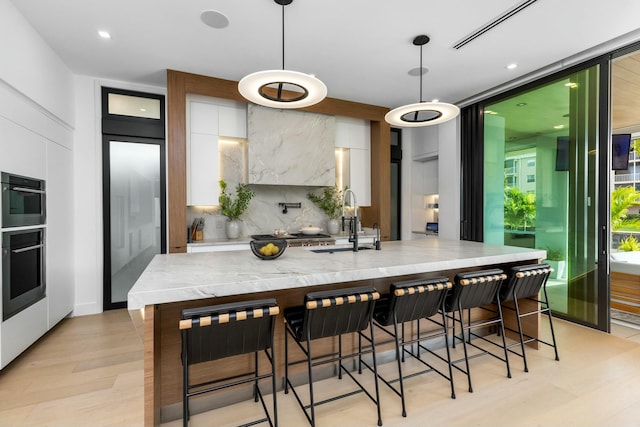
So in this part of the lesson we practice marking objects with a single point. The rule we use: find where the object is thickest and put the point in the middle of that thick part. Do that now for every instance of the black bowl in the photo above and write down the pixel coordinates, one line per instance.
(269, 253)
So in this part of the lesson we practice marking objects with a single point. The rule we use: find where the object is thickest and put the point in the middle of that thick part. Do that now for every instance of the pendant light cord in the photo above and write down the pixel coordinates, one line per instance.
(420, 71)
(283, 36)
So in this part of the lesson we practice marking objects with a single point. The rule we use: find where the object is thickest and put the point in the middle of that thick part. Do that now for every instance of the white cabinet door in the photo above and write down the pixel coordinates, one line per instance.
(202, 183)
(360, 167)
(59, 239)
(343, 132)
(202, 118)
(360, 134)
(232, 121)
(355, 135)
(208, 118)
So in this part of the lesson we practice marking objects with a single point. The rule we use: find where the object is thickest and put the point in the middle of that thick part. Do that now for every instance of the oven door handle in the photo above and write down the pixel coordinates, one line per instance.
(27, 190)
(29, 248)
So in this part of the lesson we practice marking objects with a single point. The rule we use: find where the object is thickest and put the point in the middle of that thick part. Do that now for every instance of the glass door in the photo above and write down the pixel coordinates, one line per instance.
(133, 188)
(542, 187)
(133, 212)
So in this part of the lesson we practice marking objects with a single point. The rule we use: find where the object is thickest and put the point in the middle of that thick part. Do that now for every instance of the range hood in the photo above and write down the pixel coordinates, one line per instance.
(287, 147)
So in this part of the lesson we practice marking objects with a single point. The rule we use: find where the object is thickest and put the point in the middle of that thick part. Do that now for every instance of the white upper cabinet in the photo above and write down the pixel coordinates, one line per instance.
(203, 118)
(355, 135)
(207, 120)
(232, 121)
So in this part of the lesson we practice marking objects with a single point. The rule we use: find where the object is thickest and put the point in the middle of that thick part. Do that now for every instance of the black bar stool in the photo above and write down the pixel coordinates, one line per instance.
(410, 301)
(526, 282)
(225, 330)
(477, 289)
(330, 314)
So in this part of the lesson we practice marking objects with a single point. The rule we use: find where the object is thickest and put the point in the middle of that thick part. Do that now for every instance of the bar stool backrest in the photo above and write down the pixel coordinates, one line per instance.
(525, 281)
(475, 289)
(225, 330)
(416, 299)
(337, 312)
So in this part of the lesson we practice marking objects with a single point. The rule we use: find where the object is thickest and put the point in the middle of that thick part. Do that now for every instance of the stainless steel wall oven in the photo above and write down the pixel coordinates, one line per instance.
(23, 201)
(23, 269)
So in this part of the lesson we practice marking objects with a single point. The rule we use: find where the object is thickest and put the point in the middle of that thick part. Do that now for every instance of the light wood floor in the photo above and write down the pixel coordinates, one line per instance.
(88, 372)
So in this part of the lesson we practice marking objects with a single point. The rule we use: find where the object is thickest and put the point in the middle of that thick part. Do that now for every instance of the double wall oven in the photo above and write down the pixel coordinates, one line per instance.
(23, 242)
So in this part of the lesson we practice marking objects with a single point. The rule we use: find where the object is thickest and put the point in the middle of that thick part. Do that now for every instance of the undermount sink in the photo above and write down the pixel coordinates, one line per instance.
(341, 249)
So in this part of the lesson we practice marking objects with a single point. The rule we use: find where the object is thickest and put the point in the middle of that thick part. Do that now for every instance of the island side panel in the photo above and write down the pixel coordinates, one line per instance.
(152, 357)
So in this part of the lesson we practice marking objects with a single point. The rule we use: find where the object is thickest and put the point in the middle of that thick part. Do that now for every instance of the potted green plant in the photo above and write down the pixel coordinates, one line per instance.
(234, 208)
(330, 202)
(555, 259)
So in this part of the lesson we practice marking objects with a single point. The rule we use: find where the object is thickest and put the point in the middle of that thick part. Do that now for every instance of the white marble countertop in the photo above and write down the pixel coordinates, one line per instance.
(367, 235)
(182, 277)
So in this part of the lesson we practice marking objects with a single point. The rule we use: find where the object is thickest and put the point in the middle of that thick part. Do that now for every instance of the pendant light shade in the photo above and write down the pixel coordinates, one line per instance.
(282, 88)
(421, 113)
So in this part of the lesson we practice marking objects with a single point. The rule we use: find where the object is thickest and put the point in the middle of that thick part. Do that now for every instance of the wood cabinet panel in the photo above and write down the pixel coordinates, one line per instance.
(179, 84)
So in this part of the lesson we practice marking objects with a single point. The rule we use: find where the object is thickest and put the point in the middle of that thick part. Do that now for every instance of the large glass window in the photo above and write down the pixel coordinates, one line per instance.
(540, 183)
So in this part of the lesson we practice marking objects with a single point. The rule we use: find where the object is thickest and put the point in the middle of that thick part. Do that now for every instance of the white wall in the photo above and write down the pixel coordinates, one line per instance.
(420, 148)
(449, 179)
(87, 173)
(31, 67)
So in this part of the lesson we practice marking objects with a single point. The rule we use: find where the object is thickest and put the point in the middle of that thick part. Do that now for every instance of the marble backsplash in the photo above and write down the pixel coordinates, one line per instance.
(263, 214)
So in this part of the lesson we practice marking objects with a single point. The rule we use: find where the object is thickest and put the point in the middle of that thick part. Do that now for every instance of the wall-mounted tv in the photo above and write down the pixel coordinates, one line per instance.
(562, 153)
(620, 145)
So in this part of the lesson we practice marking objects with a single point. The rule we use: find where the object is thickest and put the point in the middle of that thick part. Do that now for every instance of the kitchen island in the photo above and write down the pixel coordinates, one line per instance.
(177, 281)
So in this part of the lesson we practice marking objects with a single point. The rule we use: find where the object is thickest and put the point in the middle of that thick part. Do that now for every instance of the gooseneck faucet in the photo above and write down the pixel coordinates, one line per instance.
(353, 221)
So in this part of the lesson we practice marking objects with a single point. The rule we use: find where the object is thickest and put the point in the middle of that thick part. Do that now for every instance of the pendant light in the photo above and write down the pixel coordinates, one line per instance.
(421, 113)
(282, 88)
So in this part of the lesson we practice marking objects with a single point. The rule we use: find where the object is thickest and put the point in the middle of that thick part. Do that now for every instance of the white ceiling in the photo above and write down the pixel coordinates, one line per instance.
(361, 49)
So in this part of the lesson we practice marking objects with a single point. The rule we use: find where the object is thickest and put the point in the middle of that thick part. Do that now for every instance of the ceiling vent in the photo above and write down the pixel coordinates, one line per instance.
(495, 22)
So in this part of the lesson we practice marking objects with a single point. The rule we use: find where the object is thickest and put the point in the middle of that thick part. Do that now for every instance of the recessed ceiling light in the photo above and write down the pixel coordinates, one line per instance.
(571, 85)
(104, 34)
(521, 104)
(214, 19)
(512, 66)
(491, 112)
(418, 71)
(558, 127)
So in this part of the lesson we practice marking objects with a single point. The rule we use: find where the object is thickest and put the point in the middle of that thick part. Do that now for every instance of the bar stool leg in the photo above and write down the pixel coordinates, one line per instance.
(309, 368)
(446, 346)
(553, 335)
(399, 362)
(273, 382)
(464, 345)
(504, 341)
(524, 355)
(375, 371)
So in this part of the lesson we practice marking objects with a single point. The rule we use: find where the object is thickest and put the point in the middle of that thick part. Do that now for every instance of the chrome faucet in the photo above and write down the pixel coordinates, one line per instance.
(353, 221)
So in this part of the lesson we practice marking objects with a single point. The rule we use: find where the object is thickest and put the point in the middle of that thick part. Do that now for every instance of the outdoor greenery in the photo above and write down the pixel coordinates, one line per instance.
(519, 209)
(330, 201)
(554, 254)
(231, 208)
(629, 244)
(622, 198)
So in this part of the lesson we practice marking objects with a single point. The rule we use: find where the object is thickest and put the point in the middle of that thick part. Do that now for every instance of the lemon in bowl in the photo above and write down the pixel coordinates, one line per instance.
(268, 249)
